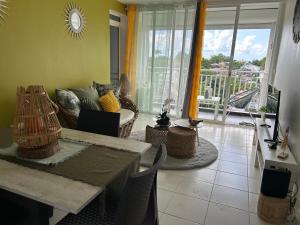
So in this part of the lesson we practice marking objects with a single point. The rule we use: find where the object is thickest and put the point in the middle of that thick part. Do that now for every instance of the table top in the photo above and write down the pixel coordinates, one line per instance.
(57, 191)
(186, 123)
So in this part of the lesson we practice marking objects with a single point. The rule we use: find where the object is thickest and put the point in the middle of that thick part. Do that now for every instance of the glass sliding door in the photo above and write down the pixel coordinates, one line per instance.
(251, 59)
(164, 44)
(232, 68)
(216, 60)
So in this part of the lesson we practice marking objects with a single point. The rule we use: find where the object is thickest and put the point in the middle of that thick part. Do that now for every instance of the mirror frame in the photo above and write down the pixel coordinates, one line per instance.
(70, 10)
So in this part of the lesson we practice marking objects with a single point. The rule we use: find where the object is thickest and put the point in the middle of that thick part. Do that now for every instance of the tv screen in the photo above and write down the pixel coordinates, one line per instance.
(273, 104)
(272, 101)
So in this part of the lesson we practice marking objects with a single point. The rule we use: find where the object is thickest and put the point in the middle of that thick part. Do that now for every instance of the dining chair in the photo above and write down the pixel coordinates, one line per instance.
(98, 122)
(11, 214)
(137, 205)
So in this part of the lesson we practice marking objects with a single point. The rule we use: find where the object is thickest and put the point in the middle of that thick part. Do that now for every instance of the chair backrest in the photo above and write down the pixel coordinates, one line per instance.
(98, 122)
(135, 202)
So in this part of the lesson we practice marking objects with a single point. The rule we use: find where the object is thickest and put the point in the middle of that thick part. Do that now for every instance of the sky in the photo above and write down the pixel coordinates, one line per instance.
(251, 43)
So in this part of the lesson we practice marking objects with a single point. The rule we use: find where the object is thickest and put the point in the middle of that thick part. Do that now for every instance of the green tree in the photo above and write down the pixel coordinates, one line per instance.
(261, 63)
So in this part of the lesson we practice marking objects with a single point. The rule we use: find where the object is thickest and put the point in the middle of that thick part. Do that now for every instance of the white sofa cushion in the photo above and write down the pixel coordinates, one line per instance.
(125, 116)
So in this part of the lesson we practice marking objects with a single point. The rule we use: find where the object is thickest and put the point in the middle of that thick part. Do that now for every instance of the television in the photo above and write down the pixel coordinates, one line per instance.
(273, 105)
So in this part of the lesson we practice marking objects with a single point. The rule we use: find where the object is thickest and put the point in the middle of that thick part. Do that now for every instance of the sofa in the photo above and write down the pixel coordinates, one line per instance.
(68, 117)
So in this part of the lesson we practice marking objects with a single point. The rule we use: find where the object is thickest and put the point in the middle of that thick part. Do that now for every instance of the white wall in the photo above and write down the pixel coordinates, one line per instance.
(288, 80)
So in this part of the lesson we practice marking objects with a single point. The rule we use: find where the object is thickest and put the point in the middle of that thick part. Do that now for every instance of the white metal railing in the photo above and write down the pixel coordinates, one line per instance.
(240, 81)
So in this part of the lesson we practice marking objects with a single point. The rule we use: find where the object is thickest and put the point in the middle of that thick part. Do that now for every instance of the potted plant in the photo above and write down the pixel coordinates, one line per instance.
(163, 120)
(263, 110)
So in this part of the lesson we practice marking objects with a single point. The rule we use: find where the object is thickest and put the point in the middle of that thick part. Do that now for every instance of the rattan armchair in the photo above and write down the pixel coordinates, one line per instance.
(69, 120)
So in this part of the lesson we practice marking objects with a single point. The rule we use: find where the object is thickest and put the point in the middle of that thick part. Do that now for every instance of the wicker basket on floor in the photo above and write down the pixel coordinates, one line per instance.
(272, 210)
(181, 142)
(156, 136)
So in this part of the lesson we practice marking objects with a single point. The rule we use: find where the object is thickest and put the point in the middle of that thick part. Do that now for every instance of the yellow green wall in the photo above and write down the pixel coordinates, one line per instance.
(36, 49)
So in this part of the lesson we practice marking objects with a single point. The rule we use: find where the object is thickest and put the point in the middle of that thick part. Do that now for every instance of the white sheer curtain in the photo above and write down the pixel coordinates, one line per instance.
(163, 55)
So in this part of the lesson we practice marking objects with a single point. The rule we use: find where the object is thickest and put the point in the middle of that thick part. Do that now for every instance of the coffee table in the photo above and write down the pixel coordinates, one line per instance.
(186, 124)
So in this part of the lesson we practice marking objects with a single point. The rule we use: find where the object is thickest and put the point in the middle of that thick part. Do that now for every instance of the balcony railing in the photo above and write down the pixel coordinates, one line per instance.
(216, 79)
(240, 81)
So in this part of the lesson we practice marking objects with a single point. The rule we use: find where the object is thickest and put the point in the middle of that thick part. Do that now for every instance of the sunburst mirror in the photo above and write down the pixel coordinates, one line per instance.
(3, 7)
(75, 20)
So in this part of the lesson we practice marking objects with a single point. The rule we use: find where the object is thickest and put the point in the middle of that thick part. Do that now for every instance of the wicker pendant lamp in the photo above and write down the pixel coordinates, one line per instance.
(36, 127)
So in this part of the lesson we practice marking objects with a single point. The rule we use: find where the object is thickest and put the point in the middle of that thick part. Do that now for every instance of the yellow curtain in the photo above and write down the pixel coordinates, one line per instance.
(131, 51)
(193, 110)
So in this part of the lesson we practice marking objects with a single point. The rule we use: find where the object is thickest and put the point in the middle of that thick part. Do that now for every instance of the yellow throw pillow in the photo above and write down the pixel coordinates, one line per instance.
(109, 102)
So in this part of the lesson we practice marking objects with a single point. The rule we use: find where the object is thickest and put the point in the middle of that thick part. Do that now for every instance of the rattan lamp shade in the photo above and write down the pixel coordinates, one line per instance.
(36, 127)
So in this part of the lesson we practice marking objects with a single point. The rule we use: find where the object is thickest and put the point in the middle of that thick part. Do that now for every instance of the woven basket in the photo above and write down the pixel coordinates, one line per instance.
(36, 126)
(272, 210)
(181, 142)
(156, 136)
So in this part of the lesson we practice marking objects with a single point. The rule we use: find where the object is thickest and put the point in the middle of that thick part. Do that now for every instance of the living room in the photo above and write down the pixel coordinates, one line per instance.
(149, 112)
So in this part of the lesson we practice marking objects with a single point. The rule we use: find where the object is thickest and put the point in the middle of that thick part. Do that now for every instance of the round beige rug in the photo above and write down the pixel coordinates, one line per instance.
(206, 154)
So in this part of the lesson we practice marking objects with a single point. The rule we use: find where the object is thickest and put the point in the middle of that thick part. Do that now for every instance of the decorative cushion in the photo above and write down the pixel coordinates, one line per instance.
(68, 100)
(88, 98)
(103, 89)
(109, 102)
(125, 116)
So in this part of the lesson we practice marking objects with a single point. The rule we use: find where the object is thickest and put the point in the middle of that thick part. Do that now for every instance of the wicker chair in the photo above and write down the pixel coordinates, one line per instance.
(69, 120)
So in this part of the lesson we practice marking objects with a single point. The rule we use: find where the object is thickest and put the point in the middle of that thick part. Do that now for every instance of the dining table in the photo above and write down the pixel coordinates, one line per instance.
(66, 183)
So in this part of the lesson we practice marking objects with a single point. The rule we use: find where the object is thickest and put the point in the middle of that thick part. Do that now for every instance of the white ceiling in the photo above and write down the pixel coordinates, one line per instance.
(210, 2)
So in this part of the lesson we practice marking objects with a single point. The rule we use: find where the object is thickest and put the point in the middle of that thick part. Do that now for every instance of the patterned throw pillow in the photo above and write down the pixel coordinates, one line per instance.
(68, 100)
(88, 98)
(103, 89)
(109, 102)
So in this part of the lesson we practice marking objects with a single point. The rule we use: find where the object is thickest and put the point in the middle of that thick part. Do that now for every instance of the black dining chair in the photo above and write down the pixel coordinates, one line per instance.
(137, 205)
(12, 214)
(98, 122)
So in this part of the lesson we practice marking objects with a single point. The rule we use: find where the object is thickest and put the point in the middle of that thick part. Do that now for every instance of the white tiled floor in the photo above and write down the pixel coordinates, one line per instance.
(223, 193)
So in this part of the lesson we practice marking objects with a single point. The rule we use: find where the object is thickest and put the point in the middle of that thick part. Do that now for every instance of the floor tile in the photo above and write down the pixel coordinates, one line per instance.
(234, 148)
(171, 220)
(232, 180)
(163, 199)
(188, 208)
(254, 185)
(168, 181)
(253, 200)
(255, 220)
(203, 174)
(254, 172)
(224, 215)
(233, 157)
(230, 197)
(197, 189)
(235, 139)
(231, 167)
(214, 165)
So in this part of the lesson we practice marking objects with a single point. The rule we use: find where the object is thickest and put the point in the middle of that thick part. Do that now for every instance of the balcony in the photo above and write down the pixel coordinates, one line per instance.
(164, 86)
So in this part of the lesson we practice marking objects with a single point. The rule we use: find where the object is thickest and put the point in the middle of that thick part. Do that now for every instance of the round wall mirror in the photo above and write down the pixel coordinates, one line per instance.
(3, 8)
(75, 20)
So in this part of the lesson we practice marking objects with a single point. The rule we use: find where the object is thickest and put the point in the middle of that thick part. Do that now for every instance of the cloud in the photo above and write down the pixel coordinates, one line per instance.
(248, 47)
